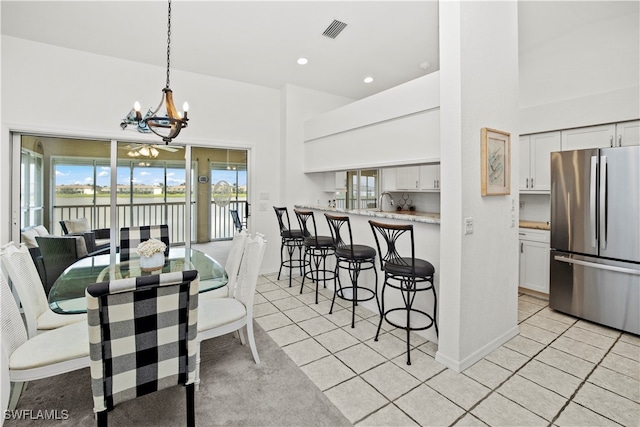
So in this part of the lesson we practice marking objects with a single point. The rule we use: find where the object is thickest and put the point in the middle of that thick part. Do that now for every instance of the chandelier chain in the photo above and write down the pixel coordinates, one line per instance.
(168, 43)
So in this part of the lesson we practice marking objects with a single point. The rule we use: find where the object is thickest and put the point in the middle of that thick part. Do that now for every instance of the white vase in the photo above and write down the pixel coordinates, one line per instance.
(153, 262)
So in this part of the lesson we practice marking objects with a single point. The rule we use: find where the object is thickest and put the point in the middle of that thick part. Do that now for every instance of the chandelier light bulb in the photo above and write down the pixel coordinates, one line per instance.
(136, 106)
(185, 107)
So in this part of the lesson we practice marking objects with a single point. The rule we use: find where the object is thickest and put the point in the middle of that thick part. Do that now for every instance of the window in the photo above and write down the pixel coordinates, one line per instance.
(362, 190)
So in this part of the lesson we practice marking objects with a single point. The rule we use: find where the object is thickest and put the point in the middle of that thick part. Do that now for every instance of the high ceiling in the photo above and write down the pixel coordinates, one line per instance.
(255, 42)
(258, 42)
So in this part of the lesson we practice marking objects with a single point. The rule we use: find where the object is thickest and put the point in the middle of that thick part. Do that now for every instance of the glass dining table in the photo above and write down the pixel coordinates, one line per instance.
(67, 293)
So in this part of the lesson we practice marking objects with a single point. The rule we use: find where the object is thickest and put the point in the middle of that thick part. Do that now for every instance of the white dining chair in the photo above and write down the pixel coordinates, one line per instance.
(50, 353)
(23, 274)
(220, 316)
(231, 266)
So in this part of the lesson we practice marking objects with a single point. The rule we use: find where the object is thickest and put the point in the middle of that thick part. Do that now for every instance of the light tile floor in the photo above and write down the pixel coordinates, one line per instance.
(559, 371)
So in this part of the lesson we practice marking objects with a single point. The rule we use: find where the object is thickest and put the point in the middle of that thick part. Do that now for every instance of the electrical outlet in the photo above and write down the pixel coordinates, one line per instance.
(521, 204)
(468, 225)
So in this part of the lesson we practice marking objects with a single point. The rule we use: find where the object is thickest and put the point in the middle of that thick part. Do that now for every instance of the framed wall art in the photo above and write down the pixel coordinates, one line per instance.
(496, 162)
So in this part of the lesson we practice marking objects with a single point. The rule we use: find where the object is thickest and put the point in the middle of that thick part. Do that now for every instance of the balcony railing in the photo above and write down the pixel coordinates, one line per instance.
(172, 214)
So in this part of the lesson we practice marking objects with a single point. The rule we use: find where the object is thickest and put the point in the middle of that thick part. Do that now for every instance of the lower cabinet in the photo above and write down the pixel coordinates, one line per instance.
(534, 259)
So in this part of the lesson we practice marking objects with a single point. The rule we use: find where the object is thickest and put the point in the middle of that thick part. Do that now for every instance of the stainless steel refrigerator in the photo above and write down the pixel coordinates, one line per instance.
(595, 235)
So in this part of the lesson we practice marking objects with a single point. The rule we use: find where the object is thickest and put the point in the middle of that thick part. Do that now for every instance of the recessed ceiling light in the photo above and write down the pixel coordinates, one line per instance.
(302, 61)
(368, 79)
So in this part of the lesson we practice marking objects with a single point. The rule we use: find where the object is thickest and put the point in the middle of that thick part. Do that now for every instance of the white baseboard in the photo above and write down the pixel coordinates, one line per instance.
(461, 365)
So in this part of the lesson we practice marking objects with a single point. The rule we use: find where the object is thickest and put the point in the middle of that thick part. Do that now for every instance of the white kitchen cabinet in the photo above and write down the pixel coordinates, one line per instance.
(602, 136)
(408, 178)
(430, 177)
(389, 179)
(628, 133)
(335, 181)
(535, 163)
(534, 259)
(589, 137)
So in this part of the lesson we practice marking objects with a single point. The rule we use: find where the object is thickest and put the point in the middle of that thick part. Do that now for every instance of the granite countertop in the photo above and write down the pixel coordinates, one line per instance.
(415, 216)
(537, 225)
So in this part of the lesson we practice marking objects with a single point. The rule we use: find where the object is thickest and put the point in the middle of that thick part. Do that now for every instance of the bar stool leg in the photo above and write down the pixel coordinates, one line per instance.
(435, 308)
(336, 289)
(281, 259)
(291, 250)
(384, 288)
(408, 304)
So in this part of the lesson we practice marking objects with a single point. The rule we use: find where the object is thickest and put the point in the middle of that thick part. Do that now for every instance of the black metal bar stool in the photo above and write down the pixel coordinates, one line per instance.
(291, 240)
(410, 275)
(354, 259)
(316, 250)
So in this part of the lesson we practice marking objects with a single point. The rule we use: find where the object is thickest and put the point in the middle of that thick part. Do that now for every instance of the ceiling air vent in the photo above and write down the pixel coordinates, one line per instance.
(334, 29)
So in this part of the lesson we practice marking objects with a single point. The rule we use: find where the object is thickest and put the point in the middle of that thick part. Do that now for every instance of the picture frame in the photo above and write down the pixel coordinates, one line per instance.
(495, 162)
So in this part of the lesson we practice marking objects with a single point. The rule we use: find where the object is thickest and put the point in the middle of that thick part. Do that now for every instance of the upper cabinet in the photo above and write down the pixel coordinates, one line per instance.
(535, 165)
(335, 181)
(535, 149)
(602, 136)
(430, 177)
(628, 133)
(408, 178)
(589, 137)
(412, 178)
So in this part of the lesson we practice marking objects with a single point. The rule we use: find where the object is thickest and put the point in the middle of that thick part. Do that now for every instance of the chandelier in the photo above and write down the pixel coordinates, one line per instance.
(166, 123)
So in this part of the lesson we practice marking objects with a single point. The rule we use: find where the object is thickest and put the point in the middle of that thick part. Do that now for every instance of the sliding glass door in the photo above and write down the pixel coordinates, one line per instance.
(65, 178)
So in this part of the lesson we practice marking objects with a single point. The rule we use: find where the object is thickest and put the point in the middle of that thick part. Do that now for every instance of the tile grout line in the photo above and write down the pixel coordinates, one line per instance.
(511, 376)
(420, 382)
(596, 365)
(359, 375)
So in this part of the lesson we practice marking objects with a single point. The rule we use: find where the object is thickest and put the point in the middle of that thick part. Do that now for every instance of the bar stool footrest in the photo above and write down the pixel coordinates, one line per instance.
(346, 293)
(417, 317)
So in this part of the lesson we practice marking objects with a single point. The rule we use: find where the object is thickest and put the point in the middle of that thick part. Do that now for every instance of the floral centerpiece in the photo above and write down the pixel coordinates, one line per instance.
(151, 254)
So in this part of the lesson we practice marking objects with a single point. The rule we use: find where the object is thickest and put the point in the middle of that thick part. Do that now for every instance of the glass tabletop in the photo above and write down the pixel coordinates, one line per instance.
(67, 293)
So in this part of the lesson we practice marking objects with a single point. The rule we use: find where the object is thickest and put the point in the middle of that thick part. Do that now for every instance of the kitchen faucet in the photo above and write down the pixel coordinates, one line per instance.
(381, 197)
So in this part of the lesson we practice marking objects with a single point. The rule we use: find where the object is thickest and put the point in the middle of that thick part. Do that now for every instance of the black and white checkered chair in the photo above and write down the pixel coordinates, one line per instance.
(142, 336)
(131, 237)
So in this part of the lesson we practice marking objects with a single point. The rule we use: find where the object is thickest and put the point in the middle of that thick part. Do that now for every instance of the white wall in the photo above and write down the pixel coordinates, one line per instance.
(479, 271)
(66, 92)
(400, 125)
(536, 207)
(299, 105)
(588, 76)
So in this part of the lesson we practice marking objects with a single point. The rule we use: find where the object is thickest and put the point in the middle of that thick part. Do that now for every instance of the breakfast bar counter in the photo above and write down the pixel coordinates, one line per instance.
(413, 216)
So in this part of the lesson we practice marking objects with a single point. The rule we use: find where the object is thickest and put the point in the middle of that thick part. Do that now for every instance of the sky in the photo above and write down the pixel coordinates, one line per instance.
(83, 174)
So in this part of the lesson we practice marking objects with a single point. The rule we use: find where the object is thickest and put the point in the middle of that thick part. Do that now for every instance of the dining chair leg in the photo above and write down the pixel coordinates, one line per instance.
(252, 342)
(101, 418)
(191, 405)
(197, 382)
(16, 390)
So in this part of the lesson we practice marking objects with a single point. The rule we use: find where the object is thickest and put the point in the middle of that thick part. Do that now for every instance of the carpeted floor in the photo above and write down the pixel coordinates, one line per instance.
(234, 391)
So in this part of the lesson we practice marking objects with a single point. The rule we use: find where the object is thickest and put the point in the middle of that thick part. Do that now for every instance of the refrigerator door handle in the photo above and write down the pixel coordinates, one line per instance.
(596, 265)
(592, 202)
(603, 202)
